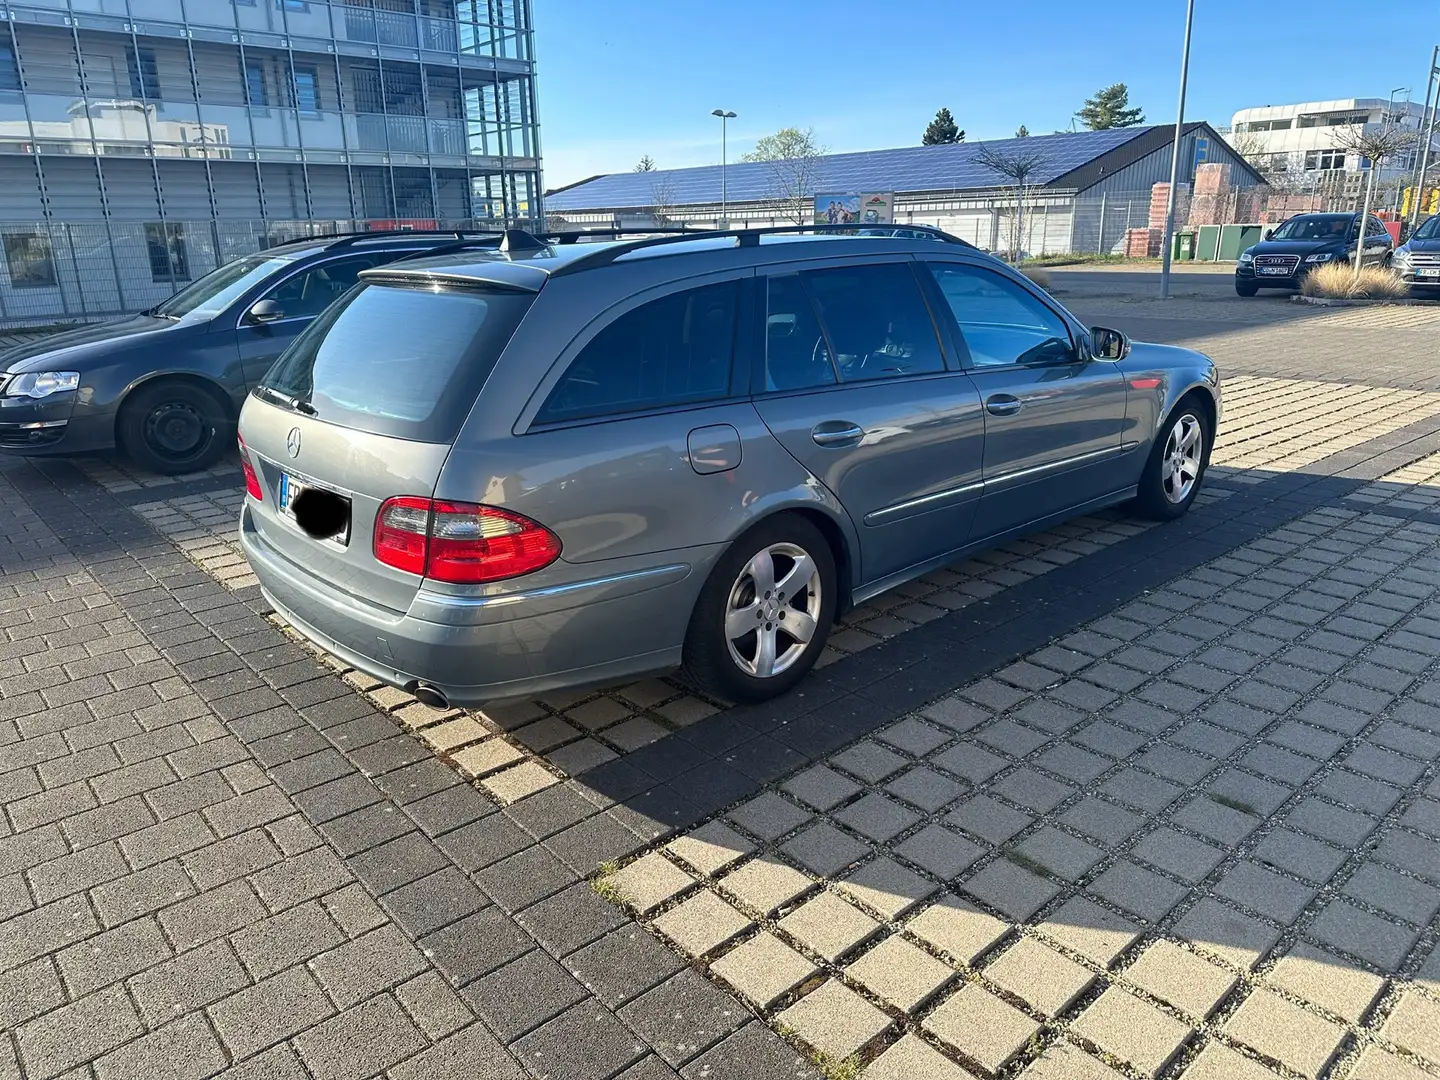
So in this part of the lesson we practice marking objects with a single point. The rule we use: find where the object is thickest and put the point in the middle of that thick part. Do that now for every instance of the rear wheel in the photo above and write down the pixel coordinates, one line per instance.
(1245, 288)
(174, 427)
(764, 614)
(1177, 463)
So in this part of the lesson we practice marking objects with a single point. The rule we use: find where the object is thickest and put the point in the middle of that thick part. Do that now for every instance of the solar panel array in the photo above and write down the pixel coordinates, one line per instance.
(910, 168)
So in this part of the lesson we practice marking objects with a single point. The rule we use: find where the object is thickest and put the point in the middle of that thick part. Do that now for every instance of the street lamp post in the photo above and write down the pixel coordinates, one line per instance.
(1175, 157)
(1427, 131)
(725, 117)
(1389, 120)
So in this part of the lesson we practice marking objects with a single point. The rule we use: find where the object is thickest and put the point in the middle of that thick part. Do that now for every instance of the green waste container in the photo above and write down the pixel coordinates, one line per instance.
(1184, 247)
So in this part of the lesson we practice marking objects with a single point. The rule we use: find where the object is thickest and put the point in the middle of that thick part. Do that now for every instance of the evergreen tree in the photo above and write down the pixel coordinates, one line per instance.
(942, 130)
(1110, 108)
(647, 164)
(1022, 132)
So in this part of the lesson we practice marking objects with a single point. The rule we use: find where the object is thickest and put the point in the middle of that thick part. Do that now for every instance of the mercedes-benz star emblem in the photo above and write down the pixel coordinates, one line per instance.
(292, 442)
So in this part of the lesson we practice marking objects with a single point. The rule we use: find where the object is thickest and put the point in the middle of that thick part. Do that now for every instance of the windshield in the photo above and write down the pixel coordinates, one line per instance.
(362, 364)
(1326, 227)
(1429, 230)
(220, 288)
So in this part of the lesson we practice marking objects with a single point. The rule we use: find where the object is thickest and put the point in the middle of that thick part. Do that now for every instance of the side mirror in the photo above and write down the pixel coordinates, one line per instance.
(1269, 233)
(265, 311)
(1107, 344)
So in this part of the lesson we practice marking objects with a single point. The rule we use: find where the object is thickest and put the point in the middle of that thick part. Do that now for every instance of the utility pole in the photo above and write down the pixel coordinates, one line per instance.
(1175, 158)
(1427, 131)
(725, 117)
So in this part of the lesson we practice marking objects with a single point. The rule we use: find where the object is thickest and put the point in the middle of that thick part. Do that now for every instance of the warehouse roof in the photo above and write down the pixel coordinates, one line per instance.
(1072, 159)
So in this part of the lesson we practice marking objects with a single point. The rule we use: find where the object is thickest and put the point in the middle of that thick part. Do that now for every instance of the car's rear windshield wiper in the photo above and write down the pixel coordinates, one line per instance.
(288, 400)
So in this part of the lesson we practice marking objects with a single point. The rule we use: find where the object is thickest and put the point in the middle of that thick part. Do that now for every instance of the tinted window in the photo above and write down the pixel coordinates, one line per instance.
(876, 321)
(307, 294)
(1315, 227)
(1000, 321)
(670, 351)
(398, 361)
(220, 288)
(1377, 227)
(796, 354)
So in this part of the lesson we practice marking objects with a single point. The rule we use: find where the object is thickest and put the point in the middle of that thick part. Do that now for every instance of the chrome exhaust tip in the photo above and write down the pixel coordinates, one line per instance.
(428, 695)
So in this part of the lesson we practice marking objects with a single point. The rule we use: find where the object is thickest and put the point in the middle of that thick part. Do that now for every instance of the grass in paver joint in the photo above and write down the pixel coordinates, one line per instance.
(849, 1069)
(604, 885)
(1025, 862)
(1234, 804)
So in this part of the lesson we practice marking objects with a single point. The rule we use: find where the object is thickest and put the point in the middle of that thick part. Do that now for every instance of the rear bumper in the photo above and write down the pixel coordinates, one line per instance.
(589, 633)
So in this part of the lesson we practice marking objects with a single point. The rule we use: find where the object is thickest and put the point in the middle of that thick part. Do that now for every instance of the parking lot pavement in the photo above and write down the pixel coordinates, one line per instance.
(1117, 801)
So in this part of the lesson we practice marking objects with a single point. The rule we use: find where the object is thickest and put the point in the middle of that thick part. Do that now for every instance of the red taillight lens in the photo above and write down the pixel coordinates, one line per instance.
(460, 543)
(252, 481)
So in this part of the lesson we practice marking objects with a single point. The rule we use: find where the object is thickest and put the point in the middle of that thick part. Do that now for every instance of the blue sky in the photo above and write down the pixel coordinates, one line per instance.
(622, 78)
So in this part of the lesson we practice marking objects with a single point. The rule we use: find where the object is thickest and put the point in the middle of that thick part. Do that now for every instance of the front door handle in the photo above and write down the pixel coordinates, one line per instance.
(837, 433)
(1003, 405)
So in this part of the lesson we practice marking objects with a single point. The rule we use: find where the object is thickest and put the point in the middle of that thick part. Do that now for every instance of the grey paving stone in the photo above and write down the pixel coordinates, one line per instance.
(570, 919)
(466, 1055)
(622, 965)
(1061, 854)
(1141, 790)
(585, 1042)
(189, 982)
(821, 787)
(939, 851)
(1223, 931)
(1394, 893)
(433, 901)
(763, 969)
(701, 923)
(522, 995)
(869, 761)
(823, 849)
(1264, 891)
(361, 1041)
(754, 1052)
(116, 954)
(524, 878)
(877, 817)
(1351, 930)
(1102, 820)
(28, 991)
(970, 762)
(77, 872)
(45, 929)
(988, 819)
(1138, 890)
(270, 1011)
(184, 1050)
(925, 788)
(1011, 890)
(886, 887)
(77, 1033)
(434, 1007)
(476, 945)
(1187, 858)
(1086, 928)
(300, 878)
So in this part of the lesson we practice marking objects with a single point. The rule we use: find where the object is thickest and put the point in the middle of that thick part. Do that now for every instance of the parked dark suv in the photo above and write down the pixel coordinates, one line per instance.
(1298, 245)
(166, 385)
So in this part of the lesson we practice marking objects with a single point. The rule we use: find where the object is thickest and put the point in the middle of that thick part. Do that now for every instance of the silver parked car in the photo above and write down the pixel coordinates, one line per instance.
(493, 474)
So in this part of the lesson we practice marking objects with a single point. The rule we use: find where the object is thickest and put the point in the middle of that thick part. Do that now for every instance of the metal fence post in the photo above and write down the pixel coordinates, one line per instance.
(75, 265)
(1100, 239)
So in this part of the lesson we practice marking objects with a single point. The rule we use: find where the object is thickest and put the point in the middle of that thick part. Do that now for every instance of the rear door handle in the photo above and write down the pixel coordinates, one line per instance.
(837, 433)
(1003, 405)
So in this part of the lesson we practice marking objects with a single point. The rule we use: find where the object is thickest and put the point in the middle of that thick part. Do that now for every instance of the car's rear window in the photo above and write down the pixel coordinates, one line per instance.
(398, 360)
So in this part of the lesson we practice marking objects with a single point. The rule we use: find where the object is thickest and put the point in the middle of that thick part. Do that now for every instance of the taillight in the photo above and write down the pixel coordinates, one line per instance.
(460, 543)
(252, 481)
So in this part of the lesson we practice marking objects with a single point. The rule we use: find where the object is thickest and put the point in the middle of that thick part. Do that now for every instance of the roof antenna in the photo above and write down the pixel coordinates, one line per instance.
(519, 240)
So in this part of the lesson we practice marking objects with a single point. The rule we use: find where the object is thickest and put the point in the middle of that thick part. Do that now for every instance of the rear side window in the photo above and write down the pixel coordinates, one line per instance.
(672, 351)
(398, 360)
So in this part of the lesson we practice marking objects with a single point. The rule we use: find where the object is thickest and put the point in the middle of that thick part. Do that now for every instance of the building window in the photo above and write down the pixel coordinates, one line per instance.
(307, 89)
(166, 247)
(9, 69)
(144, 73)
(29, 259)
(1325, 160)
(292, 5)
(255, 84)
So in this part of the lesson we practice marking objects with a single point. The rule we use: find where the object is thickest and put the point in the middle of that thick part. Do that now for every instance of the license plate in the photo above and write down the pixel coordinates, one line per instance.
(1427, 271)
(1273, 270)
(289, 489)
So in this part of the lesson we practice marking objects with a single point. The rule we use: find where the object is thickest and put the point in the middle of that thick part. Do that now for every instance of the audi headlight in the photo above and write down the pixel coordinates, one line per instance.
(1246, 257)
(1320, 256)
(41, 384)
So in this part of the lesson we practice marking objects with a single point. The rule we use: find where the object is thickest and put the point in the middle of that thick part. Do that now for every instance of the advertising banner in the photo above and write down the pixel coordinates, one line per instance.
(869, 208)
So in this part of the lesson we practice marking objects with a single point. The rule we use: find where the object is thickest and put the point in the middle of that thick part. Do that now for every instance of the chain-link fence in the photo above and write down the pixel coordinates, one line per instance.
(59, 272)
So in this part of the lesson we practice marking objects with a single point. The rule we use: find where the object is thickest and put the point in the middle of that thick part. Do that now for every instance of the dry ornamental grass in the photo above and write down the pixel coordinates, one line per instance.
(1337, 281)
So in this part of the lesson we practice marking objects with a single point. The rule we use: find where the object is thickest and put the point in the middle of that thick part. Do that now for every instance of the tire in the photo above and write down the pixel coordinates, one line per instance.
(1161, 496)
(172, 426)
(730, 668)
(1246, 290)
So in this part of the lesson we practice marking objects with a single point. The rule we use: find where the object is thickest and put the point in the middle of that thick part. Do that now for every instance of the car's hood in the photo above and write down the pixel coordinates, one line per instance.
(1296, 247)
(73, 347)
(1429, 244)
(1146, 354)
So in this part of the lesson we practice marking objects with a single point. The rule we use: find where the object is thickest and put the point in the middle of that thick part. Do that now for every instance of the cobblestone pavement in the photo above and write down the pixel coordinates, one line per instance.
(1113, 801)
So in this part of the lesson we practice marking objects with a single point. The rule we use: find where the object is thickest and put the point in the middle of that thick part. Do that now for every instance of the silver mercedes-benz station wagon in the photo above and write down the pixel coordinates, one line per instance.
(489, 474)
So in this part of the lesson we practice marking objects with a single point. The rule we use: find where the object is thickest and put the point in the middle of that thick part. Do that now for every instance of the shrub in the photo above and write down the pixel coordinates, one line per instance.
(1337, 281)
(1038, 274)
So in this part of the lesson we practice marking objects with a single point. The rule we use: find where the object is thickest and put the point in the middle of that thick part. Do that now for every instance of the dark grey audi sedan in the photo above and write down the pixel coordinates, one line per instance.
(499, 473)
(166, 385)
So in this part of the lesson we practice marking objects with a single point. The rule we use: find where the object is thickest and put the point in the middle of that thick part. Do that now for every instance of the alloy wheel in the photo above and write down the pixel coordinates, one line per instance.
(773, 610)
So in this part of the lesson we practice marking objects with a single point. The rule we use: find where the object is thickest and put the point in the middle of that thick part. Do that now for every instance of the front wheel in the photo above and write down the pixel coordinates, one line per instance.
(1177, 463)
(765, 612)
(174, 426)
(1245, 288)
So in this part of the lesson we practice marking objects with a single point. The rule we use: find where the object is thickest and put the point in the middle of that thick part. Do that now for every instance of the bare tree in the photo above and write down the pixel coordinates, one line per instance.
(662, 199)
(1019, 166)
(794, 159)
(1378, 143)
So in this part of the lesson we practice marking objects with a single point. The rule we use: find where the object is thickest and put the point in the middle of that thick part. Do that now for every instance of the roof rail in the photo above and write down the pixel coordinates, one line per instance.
(519, 240)
(745, 238)
(353, 238)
